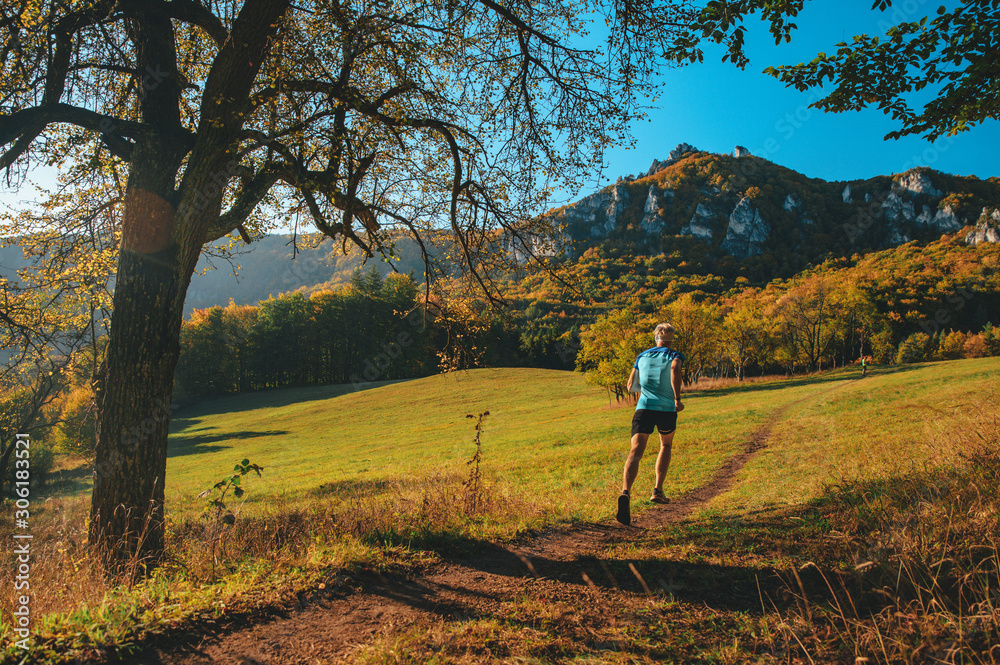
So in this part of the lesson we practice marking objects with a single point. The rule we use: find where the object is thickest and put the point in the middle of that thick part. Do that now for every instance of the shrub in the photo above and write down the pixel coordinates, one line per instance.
(913, 349)
(974, 347)
(950, 346)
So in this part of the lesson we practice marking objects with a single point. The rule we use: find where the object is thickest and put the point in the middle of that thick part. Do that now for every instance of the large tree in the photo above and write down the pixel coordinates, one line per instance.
(195, 119)
(806, 315)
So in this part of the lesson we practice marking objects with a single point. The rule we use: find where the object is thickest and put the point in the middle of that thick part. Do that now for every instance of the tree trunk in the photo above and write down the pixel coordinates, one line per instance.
(135, 389)
(164, 225)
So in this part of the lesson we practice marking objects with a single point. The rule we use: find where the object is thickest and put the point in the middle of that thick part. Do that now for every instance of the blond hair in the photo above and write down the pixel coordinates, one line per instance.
(665, 328)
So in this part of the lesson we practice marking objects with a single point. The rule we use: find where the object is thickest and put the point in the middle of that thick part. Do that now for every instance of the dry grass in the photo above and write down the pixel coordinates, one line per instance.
(61, 570)
(923, 584)
(265, 555)
(428, 513)
(707, 383)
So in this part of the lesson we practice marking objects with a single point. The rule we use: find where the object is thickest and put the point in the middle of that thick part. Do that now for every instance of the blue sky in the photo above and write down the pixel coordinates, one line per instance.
(714, 106)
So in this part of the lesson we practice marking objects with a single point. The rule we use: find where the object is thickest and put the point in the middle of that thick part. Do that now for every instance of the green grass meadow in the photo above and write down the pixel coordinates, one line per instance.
(559, 443)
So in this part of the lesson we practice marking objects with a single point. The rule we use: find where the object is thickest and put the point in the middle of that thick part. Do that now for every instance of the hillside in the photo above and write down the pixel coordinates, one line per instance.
(743, 215)
(401, 546)
(271, 266)
(716, 215)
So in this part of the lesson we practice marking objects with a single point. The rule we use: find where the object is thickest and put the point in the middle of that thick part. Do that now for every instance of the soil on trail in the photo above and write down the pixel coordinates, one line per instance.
(561, 564)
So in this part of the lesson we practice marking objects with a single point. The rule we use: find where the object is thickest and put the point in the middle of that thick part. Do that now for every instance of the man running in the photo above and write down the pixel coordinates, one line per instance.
(658, 372)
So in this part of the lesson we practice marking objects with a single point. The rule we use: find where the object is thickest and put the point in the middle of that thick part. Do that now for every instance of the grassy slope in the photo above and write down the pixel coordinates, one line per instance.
(891, 422)
(709, 574)
(547, 433)
(558, 440)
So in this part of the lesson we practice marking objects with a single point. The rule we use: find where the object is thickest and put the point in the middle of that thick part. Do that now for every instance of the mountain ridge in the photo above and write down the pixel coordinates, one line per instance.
(752, 212)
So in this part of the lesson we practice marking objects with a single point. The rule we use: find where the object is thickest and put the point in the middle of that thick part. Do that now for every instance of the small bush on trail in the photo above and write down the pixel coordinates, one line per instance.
(474, 499)
(218, 514)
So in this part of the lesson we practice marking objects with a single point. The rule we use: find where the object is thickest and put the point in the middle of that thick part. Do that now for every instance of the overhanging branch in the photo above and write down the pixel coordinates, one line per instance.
(22, 127)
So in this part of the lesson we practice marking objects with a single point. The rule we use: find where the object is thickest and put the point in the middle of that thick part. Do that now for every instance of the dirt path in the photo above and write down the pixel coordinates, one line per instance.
(562, 563)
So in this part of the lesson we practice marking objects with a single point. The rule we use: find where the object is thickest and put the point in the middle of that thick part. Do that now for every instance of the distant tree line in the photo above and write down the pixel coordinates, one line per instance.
(816, 321)
(373, 329)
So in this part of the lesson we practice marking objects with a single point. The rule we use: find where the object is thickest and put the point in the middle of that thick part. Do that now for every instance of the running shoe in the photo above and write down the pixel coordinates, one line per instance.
(624, 514)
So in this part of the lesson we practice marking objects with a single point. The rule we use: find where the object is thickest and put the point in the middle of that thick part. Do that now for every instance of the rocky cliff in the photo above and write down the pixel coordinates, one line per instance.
(741, 206)
(747, 232)
(987, 229)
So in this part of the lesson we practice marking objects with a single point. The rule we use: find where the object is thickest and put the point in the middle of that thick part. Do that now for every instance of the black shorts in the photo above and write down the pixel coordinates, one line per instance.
(644, 420)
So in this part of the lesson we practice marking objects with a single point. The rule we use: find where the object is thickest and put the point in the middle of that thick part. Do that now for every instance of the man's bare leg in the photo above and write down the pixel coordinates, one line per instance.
(663, 459)
(632, 463)
(624, 514)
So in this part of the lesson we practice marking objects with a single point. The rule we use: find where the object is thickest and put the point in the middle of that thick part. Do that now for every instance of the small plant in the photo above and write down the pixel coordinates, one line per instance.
(223, 517)
(473, 486)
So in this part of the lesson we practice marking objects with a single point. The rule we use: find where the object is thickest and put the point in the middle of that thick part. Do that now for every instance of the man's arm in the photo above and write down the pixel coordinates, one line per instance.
(675, 382)
(631, 377)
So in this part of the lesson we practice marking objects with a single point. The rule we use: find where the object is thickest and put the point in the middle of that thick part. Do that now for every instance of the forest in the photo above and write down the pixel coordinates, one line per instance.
(371, 329)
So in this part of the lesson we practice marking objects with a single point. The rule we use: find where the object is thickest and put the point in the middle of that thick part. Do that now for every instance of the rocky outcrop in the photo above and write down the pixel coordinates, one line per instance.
(596, 215)
(987, 229)
(898, 210)
(747, 231)
(926, 217)
(656, 167)
(944, 220)
(675, 154)
(652, 221)
(700, 224)
(584, 213)
(616, 204)
(524, 249)
(916, 182)
(880, 212)
(678, 152)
